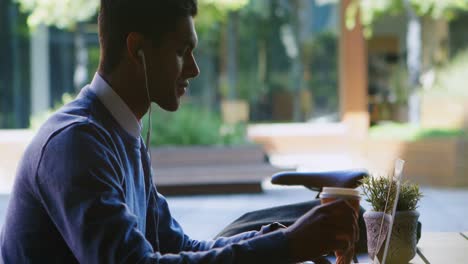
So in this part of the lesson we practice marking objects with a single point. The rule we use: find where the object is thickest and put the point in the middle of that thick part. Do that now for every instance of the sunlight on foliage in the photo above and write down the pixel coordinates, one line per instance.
(193, 125)
(225, 4)
(59, 13)
(372, 10)
(216, 11)
(66, 13)
(451, 78)
(409, 132)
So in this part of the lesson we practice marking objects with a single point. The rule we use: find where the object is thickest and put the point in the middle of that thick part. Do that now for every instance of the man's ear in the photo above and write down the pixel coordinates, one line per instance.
(135, 43)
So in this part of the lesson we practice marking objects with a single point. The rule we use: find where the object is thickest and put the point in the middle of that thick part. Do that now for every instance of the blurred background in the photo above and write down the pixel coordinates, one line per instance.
(311, 84)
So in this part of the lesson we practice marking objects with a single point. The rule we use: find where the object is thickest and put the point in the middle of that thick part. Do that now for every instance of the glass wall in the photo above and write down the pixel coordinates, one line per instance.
(280, 57)
(57, 65)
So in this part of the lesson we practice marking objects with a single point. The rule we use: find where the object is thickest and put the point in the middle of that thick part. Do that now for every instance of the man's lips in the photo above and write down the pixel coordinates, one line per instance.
(182, 88)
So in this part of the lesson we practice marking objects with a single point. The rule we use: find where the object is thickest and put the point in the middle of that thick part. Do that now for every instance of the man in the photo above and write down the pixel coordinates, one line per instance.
(84, 191)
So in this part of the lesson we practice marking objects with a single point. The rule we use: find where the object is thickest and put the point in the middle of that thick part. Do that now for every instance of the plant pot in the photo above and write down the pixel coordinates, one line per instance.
(374, 226)
(404, 237)
(403, 241)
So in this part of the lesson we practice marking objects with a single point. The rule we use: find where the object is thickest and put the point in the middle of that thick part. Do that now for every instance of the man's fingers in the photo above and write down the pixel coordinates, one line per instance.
(352, 207)
(343, 216)
(346, 233)
(343, 219)
(339, 207)
(356, 228)
(342, 245)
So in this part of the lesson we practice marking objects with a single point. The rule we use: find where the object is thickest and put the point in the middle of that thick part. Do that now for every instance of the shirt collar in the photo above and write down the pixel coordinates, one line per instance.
(116, 106)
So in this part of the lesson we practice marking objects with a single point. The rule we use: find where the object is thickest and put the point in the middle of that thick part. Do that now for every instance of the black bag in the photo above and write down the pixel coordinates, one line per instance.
(287, 215)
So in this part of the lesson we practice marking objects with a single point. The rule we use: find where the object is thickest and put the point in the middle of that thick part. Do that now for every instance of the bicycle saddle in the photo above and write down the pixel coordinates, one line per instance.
(316, 180)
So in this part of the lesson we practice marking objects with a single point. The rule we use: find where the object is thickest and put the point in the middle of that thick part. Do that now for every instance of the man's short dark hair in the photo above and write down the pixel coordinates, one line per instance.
(152, 18)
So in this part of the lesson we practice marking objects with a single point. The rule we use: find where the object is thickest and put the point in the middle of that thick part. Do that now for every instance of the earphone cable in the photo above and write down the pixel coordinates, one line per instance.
(148, 133)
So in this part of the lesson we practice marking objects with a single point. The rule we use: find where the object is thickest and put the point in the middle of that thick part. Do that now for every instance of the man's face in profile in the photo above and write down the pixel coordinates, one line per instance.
(171, 64)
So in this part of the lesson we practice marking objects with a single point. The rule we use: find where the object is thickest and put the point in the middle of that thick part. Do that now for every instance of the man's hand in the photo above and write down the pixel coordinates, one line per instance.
(326, 228)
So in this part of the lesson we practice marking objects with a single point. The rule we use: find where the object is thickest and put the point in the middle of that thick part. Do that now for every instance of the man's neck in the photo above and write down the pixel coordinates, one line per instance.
(134, 99)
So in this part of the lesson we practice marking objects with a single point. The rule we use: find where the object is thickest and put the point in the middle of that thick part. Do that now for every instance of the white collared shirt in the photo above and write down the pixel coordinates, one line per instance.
(116, 106)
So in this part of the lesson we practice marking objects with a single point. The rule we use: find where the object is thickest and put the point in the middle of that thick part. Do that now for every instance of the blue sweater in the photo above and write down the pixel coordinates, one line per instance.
(84, 194)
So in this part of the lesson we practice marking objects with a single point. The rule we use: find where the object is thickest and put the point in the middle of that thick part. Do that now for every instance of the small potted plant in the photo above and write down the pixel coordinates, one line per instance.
(380, 192)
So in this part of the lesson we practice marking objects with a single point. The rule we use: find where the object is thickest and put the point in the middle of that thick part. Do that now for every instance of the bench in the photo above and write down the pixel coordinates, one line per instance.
(210, 170)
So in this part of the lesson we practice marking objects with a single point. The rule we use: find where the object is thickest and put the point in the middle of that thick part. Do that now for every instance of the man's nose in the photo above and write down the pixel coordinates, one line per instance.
(192, 68)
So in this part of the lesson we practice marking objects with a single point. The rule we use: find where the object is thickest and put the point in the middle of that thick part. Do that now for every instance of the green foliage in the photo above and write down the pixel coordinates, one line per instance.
(323, 60)
(59, 13)
(440, 9)
(213, 13)
(399, 84)
(378, 189)
(225, 5)
(372, 10)
(410, 195)
(192, 125)
(451, 78)
(67, 13)
(411, 132)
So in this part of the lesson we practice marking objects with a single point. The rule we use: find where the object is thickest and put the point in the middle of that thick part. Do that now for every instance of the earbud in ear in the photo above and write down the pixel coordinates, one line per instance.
(141, 54)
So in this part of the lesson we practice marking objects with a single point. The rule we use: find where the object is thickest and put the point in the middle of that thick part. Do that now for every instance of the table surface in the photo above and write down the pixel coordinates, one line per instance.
(437, 248)
(443, 248)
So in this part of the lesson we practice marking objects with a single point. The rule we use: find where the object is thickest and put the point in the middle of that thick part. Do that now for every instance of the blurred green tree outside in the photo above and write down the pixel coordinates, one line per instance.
(238, 60)
(190, 126)
(252, 63)
(68, 13)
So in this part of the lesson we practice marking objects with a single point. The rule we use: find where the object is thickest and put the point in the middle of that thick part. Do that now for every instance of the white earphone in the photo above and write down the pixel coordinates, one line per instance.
(141, 54)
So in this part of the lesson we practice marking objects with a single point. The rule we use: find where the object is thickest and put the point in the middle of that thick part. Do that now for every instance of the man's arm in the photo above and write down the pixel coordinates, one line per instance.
(173, 239)
(79, 183)
(222, 241)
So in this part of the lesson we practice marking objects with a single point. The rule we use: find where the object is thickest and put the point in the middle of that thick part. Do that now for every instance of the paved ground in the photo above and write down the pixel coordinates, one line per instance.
(204, 216)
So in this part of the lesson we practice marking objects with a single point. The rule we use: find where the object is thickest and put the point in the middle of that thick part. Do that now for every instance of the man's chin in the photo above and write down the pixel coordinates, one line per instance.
(170, 107)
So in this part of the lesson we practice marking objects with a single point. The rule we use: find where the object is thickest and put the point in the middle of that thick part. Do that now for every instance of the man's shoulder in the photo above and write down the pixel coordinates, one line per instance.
(70, 126)
(69, 130)
(78, 116)
(60, 126)
(73, 144)
(61, 122)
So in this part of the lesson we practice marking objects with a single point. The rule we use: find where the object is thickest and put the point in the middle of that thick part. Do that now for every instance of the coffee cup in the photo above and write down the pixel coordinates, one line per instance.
(352, 196)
